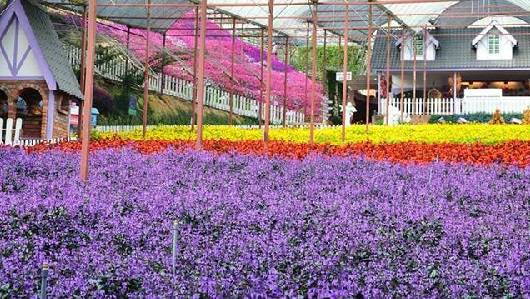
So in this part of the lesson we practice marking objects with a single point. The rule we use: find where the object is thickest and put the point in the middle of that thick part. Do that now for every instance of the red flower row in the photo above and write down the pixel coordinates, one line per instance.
(508, 153)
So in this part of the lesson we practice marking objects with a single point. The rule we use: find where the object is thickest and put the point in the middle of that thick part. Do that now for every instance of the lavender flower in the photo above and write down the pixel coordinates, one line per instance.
(251, 226)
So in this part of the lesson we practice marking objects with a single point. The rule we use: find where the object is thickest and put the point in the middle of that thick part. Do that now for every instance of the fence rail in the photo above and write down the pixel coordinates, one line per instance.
(214, 96)
(451, 106)
(130, 128)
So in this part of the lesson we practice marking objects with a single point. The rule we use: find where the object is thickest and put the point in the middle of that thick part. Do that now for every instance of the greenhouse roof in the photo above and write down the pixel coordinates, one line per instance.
(292, 17)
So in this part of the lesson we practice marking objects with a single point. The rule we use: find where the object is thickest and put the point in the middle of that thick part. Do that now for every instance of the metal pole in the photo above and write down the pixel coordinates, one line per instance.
(313, 76)
(345, 72)
(324, 62)
(284, 112)
(82, 67)
(306, 66)
(260, 102)
(146, 71)
(269, 73)
(195, 45)
(200, 71)
(128, 46)
(387, 74)
(401, 100)
(44, 282)
(163, 79)
(414, 73)
(89, 91)
(231, 100)
(455, 94)
(368, 65)
(425, 70)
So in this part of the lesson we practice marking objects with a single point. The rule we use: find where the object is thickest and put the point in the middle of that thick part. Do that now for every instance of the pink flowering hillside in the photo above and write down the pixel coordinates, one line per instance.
(246, 81)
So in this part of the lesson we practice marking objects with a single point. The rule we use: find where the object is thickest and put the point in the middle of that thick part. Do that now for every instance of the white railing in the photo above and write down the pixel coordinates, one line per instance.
(10, 135)
(506, 104)
(130, 128)
(451, 106)
(447, 106)
(214, 96)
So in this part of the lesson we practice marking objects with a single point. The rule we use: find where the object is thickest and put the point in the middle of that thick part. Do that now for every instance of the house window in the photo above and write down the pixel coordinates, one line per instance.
(418, 44)
(493, 44)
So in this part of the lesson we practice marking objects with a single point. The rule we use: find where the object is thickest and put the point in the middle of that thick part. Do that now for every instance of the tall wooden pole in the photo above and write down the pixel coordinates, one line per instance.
(162, 66)
(414, 75)
(324, 61)
(402, 75)
(200, 72)
(387, 74)
(424, 70)
(306, 67)
(368, 65)
(146, 71)
(89, 91)
(260, 102)
(285, 74)
(345, 72)
(128, 45)
(313, 75)
(195, 50)
(82, 70)
(231, 100)
(269, 73)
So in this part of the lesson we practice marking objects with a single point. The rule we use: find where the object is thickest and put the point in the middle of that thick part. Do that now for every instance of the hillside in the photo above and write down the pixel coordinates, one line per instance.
(163, 109)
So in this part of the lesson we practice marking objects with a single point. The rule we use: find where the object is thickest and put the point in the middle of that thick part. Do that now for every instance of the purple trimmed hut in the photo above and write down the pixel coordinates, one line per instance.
(37, 82)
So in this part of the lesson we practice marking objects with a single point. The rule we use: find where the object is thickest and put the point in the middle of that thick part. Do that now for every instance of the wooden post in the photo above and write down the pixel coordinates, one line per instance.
(82, 70)
(414, 75)
(424, 70)
(387, 74)
(306, 67)
(231, 100)
(89, 91)
(146, 71)
(313, 75)
(128, 44)
(269, 73)
(324, 62)
(368, 65)
(195, 50)
(455, 94)
(402, 75)
(163, 79)
(200, 72)
(345, 71)
(284, 112)
(260, 102)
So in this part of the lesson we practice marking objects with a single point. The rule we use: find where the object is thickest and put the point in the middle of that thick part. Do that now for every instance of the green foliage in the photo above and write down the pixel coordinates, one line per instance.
(179, 118)
(334, 58)
(475, 117)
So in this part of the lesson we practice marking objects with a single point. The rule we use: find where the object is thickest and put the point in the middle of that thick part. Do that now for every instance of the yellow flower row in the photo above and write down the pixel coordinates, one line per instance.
(435, 133)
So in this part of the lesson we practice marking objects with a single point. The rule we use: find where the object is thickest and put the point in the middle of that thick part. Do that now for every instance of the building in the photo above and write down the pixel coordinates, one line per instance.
(458, 65)
(37, 82)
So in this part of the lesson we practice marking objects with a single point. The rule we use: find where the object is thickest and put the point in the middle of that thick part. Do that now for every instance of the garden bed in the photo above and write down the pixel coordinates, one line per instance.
(250, 225)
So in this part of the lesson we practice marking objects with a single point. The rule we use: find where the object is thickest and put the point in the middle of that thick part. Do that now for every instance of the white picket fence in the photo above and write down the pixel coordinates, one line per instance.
(130, 128)
(451, 106)
(12, 136)
(214, 96)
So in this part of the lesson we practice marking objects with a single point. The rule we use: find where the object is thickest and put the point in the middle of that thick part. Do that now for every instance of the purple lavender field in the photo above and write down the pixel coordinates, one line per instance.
(249, 226)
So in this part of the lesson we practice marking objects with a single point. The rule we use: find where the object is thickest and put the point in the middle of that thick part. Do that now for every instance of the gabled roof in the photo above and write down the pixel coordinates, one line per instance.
(431, 39)
(494, 24)
(455, 52)
(45, 43)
